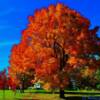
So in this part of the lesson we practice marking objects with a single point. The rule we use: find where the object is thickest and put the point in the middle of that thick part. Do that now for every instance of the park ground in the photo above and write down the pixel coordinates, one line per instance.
(43, 95)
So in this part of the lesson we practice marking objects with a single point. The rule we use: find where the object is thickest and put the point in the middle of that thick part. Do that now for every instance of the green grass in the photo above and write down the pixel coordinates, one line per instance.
(10, 95)
(6, 95)
(31, 94)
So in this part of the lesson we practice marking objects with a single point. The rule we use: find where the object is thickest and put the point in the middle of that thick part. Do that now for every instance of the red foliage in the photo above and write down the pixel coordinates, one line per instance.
(3, 79)
(70, 30)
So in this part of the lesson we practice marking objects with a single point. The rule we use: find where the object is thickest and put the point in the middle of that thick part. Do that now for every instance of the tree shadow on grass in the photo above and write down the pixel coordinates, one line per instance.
(81, 98)
(66, 98)
(72, 98)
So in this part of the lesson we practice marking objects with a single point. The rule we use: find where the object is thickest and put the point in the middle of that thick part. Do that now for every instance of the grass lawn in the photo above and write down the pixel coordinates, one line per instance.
(43, 95)
(10, 95)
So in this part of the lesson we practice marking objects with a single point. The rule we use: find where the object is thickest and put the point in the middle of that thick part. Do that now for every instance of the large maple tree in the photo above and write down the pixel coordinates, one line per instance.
(53, 34)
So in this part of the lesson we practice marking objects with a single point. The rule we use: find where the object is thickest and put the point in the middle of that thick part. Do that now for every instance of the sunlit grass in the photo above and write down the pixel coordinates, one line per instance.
(44, 95)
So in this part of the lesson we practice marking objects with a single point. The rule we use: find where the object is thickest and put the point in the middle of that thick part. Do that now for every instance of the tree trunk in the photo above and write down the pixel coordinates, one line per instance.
(23, 86)
(61, 93)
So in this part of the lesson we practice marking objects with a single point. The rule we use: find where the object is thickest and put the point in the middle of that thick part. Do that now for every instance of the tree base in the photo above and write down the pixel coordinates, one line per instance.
(62, 94)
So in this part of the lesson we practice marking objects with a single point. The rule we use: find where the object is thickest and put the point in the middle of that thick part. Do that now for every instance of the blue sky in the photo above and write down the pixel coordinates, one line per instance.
(14, 13)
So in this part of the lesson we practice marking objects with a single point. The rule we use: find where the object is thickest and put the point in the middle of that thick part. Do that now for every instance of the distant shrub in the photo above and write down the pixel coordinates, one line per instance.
(98, 86)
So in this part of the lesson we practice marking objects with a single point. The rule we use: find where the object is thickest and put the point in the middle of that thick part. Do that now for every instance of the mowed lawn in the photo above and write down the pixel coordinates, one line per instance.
(33, 95)
(10, 95)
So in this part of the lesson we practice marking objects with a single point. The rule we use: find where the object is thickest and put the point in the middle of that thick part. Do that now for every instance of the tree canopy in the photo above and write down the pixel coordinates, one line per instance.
(71, 31)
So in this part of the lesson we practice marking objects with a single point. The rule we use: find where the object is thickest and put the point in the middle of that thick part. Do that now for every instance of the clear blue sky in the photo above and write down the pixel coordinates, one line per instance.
(14, 13)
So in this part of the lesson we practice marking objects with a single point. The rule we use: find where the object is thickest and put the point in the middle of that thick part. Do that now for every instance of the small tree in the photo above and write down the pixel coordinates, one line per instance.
(21, 69)
(3, 81)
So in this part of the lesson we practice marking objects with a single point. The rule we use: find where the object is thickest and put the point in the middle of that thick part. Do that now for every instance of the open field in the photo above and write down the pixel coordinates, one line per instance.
(43, 95)
(10, 95)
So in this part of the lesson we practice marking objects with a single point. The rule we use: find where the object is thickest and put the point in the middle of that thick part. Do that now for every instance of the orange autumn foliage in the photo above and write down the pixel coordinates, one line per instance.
(70, 30)
(21, 61)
